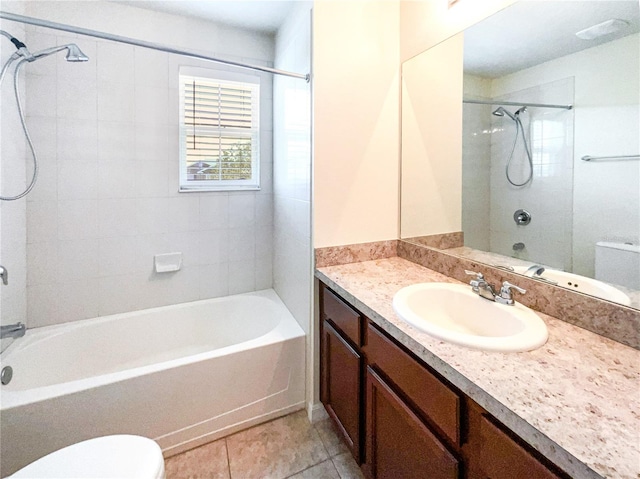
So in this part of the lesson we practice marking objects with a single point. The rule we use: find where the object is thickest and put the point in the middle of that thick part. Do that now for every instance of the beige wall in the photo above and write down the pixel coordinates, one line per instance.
(431, 139)
(425, 23)
(356, 114)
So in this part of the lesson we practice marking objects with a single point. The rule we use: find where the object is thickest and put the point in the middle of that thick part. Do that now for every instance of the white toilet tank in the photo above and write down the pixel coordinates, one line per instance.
(618, 263)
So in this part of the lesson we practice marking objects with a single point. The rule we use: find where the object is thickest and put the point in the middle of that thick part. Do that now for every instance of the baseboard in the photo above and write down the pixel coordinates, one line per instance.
(316, 412)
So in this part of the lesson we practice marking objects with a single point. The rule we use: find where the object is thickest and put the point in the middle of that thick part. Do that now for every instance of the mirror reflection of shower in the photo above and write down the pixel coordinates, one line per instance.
(21, 56)
(500, 111)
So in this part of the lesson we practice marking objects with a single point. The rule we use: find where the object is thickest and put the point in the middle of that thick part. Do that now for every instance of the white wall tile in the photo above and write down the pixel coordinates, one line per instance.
(115, 62)
(42, 221)
(242, 208)
(151, 105)
(116, 141)
(42, 262)
(214, 211)
(241, 276)
(77, 100)
(77, 140)
(106, 201)
(115, 102)
(77, 260)
(151, 178)
(151, 215)
(117, 255)
(78, 219)
(77, 300)
(241, 244)
(213, 280)
(116, 217)
(116, 180)
(42, 305)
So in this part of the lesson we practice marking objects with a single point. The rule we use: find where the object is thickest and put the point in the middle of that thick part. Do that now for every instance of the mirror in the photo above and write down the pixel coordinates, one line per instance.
(534, 151)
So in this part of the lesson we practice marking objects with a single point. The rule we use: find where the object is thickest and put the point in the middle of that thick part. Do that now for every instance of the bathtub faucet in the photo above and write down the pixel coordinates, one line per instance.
(16, 330)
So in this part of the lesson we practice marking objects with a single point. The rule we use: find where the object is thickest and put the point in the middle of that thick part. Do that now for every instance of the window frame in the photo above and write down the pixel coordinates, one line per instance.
(210, 74)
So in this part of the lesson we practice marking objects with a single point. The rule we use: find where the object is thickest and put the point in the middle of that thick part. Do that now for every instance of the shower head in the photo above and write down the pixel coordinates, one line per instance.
(501, 112)
(74, 54)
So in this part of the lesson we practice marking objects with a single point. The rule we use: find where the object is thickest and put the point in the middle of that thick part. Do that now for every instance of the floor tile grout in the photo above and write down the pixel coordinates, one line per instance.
(226, 447)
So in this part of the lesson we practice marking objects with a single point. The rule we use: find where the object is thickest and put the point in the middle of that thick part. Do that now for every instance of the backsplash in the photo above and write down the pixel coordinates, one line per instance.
(614, 321)
(611, 320)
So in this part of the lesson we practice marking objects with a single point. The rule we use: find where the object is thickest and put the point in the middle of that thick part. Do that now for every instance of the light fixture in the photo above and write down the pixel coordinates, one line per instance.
(601, 29)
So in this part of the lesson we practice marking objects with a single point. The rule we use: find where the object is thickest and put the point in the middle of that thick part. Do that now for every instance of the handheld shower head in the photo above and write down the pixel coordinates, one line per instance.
(500, 111)
(74, 54)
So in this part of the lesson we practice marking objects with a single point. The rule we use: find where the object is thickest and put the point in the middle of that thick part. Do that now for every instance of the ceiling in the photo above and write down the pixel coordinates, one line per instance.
(259, 15)
(531, 32)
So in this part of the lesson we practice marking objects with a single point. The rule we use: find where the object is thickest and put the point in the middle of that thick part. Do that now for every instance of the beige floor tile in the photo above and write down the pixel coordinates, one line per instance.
(324, 470)
(330, 437)
(276, 449)
(204, 462)
(347, 466)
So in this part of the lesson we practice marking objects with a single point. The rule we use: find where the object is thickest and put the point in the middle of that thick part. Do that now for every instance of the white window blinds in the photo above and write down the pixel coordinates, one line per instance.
(219, 132)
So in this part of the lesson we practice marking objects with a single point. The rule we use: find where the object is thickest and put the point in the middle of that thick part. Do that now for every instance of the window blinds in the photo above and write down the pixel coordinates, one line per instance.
(220, 129)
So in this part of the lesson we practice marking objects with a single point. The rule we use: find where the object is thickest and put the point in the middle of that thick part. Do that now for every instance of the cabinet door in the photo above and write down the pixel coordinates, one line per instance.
(399, 445)
(503, 458)
(340, 385)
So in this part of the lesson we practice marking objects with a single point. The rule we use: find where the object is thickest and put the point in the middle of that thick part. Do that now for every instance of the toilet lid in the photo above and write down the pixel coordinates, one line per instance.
(120, 456)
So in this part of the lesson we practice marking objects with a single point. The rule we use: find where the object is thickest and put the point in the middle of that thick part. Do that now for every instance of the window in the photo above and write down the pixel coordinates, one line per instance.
(219, 131)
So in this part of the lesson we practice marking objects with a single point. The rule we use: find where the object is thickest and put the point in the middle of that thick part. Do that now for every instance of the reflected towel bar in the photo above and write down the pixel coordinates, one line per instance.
(621, 157)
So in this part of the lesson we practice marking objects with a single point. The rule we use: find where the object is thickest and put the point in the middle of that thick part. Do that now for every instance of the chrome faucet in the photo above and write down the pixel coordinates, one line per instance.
(487, 291)
(480, 286)
(534, 271)
(16, 330)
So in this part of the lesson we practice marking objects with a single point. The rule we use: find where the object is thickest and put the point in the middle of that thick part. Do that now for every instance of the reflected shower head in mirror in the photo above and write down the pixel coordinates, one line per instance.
(501, 112)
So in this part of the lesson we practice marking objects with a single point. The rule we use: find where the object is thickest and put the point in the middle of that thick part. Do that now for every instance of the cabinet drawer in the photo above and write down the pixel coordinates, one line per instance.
(431, 396)
(342, 316)
(503, 458)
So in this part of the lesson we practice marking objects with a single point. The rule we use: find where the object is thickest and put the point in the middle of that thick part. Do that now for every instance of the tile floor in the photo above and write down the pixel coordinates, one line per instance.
(286, 448)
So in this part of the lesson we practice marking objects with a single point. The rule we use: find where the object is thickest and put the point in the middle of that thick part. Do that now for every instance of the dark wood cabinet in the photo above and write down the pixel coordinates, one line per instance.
(340, 388)
(399, 444)
(400, 418)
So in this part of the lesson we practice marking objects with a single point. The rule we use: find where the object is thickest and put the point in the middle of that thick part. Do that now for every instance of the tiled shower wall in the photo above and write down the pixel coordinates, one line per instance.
(292, 167)
(13, 230)
(107, 199)
(549, 196)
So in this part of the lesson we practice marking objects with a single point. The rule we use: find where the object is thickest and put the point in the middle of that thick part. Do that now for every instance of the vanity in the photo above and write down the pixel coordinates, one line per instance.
(410, 405)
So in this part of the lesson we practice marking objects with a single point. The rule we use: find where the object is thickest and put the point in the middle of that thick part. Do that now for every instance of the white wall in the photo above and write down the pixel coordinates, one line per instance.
(606, 195)
(426, 23)
(13, 173)
(107, 197)
(292, 253)
(356, 121)
(431, 141)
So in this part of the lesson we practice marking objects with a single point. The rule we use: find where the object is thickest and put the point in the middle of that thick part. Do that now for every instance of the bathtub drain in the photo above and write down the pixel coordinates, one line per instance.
(6, 375)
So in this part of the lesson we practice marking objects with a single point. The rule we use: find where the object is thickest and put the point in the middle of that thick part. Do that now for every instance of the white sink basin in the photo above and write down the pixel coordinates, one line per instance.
(453, 313)
(582, 284)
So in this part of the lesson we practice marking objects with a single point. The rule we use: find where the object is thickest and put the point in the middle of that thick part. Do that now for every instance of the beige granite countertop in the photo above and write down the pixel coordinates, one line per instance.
(576, 399)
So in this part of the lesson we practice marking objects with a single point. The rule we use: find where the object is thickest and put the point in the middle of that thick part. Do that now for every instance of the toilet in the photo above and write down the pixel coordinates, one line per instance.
(618, 263)
(107, 457)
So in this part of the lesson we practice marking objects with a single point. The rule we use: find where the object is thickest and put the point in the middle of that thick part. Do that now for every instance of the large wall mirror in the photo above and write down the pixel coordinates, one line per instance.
(524, 133)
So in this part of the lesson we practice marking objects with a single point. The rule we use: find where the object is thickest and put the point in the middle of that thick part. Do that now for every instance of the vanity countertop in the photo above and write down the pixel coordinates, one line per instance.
(576, 399)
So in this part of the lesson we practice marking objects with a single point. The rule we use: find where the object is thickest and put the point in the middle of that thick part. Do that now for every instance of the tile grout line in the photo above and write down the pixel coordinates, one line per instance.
(226, 448)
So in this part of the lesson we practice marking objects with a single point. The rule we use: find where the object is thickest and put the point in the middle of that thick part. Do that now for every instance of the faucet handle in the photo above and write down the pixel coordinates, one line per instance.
(473, 273)
(506, 288)
(505, 293)
(4, 275)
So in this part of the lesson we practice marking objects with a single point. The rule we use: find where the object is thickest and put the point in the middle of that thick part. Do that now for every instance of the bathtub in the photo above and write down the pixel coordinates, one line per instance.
(183, 375)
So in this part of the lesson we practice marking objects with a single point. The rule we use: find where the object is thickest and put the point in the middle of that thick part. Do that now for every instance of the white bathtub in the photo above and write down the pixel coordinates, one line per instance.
(182, 375)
